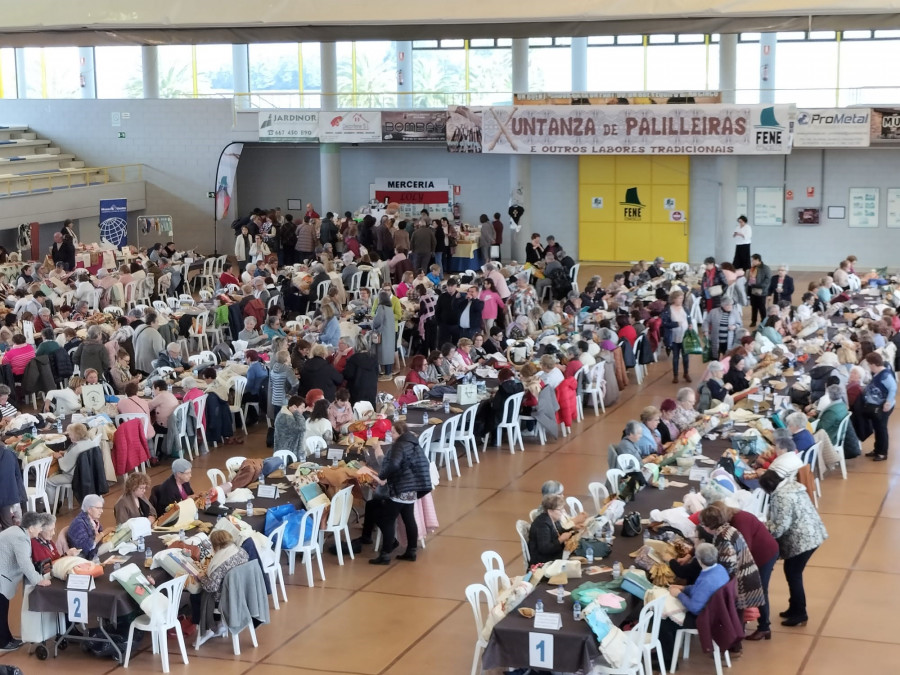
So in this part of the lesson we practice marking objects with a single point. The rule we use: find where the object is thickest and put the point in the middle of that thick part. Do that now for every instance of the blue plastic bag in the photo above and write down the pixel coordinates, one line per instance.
(276, 515)
(288, 513)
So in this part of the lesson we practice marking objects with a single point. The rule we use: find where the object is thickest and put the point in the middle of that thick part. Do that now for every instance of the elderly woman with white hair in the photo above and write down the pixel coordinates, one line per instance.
(723, 327)
(250, 335)
(91, 353)
(684, 414)
(44, 319)
(68, 460)
(713, 387)
(171, 358)
(797, 423)
(15, 561)
(85, 531)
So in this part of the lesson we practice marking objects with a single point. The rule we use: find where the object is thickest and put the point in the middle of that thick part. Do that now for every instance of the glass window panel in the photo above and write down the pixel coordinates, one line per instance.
(856, 34)
(861, 80)
(8, 73)
(796, 82)
(453, 44)
(630, 40)
(691, 37)
(312, 74)
(712, 72)
(215, 69)
(344, 54)
(119, 72)
(275, 71)
(619, 68)
(504, 42)
(376, 75)
(749, 37)
(562, 41)
(662, 39)
(425, 44)
(893, 34)
(481, 42)
(747, 75)
(490, 76)
(792, 35)
(602, 40)
(439, 77)
(674, 67)
(714, 37)
(550, 69)
(175, 74)
(540, 42)
(823, 35)
(52, 72)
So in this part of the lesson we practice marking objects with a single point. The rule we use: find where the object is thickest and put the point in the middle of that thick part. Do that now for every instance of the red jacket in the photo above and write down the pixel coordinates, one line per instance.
(565, 396)
(719, 621)
(761, 543)
(129, 447)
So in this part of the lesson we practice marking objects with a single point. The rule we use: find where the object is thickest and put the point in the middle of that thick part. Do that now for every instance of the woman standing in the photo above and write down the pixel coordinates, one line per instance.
(878, 403)
(675, 321)
(15, 561)
(406, 474)
(741, 235)
(242, 246)
(383, 326)
(290, 427)
(796, 525)
(782, 286)
(734, 555)
(361, 373)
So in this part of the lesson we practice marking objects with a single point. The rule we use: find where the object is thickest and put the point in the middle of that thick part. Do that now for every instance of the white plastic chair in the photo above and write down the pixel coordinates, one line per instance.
(240, 384)
(421, 391)
(839, 445)
(273, 570)
(761, 504)
(202, 357)
(287, 457)
(445, 447)
(465, 434)
(233, 464)
(496, 581)
(114, 310)
(353, 290)
(361, 409)
(37, 491)
(639, 369)
(811, 457)
(216, 477)
(477, 594)
(627, 463)
(574, 505)
(200, 431)
(613, 476)
(684, 636)
(181, 415)
(315, 445)
(159, 624)
(523, 528)
(573, 276)
(510, 423)
(599, 493)
(338, 518)
(28, 331)
(595, 386)
(401, 350)
(239, 345)
(198, 331)
(492, 561)
(162, 307)
(648, 625)
(310, 522)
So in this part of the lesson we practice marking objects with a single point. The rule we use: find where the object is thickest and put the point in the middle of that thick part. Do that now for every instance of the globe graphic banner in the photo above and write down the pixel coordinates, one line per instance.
(113, 222)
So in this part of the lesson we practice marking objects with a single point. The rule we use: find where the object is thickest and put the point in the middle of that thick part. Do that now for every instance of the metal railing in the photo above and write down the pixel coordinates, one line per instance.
(65, 179)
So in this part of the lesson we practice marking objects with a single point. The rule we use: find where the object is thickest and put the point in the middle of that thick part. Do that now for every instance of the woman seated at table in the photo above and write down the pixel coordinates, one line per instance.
(132, 404)
(771, 327)
(547, 537)
(713, 388)
(532, 384)
(174, 489)
(668, 431)
(78, 435)
(509, 386)
(121, 372)
(133, 502)
(796, 423)
(318, 423)
(496, 342)
(550, 373)
(273, 329)
(461, 361)
(651, 439)
(43, 546)
(227, 555)
(736, 378)
(553, 317)
(437, 371)
(694, 597)
(250, 335)
(85, 531)
(340, 412)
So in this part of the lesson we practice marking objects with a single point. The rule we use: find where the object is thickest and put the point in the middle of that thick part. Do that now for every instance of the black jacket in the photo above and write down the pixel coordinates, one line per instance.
(475, 308)
(12, 487)
(92, 355)
(64, 253)
(328, 232)
(317, 373)
(361, 373)
(787, 289)
(167, 493)
(543, 540)
(532, 254)
(89, 476)
(445, 309)
(405, 467)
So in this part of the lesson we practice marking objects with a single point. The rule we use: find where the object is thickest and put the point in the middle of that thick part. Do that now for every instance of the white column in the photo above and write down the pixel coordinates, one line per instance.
(579, 64)
(728, 67)
(404, 74)
(767, 43)
(150, 71)
(240, 66)
(329, 153)
(21, 79)
(519, 165)
(88, 74)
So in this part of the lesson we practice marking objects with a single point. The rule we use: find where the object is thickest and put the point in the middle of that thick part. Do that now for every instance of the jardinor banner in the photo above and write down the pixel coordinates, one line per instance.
(634, 130)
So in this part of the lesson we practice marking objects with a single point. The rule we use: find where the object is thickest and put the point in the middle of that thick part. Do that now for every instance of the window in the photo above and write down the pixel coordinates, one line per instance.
(52, 72)
(619, 68)
(369, 71)
(215, 69)
(796, 82)
(748, 75)
(176, 78)
(439, 77)
(676, 67)
(119, 72)
(8, 73)
(549, 68)
(865, 75)
(490, 76)
(283, 74)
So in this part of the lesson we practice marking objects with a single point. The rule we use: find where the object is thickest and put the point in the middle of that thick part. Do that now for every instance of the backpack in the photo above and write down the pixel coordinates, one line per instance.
(560, 283)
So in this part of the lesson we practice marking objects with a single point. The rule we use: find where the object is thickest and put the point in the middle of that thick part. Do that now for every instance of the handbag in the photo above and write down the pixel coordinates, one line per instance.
(600, 548)
(631, 524)
(707, 351)
(690, 343)
(376, 338)
(714, 291)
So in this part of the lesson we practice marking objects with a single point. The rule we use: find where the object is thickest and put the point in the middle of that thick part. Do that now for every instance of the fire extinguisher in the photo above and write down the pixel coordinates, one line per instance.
(81, 78)
(400, 77)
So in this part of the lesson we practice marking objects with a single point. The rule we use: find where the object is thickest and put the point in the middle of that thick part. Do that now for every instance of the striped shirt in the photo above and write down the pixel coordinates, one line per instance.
(19, 357)
(724, 321)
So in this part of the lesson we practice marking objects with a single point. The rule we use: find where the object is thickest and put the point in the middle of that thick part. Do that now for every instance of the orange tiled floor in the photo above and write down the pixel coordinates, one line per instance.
(413, 618)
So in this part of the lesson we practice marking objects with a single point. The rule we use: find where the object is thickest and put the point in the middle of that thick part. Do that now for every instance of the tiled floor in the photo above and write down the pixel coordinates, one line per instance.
(412, 618)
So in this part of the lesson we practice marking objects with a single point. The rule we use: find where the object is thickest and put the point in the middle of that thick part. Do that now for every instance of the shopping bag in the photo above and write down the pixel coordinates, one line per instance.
(691, 342)
(276, 515)
(707, 351)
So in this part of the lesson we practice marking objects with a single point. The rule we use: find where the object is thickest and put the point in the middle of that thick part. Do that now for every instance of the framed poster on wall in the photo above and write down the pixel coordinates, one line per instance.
(743, 201)
(768, 206)
(893, 207)
(864, 207)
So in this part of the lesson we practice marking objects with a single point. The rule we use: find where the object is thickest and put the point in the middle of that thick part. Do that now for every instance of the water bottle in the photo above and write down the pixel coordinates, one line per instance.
(181, 535)
(34, 430)
(403, 409)
(148, 558)
(388, 437)
(661, 482)
(446, 407)
(560, 597)
(646, 535)
(368, 433)
(576, 611)
(425, 418)
(539, 606)
(589, 554)
(59, 426)
(249, 508)
(755, 407)
(693, 490)
(617, 570)
(207, 502)
(140, 545)
(262, 479)
(334, 462)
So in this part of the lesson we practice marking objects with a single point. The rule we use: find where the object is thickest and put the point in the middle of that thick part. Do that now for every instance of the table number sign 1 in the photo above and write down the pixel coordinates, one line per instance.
(540, 650)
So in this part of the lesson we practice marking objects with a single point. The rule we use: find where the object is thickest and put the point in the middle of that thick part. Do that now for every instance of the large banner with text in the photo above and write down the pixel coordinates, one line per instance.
(623, 130)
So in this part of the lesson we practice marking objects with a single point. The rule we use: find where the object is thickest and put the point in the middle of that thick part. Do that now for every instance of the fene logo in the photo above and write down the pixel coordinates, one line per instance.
(632, 209)
(769, 134)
